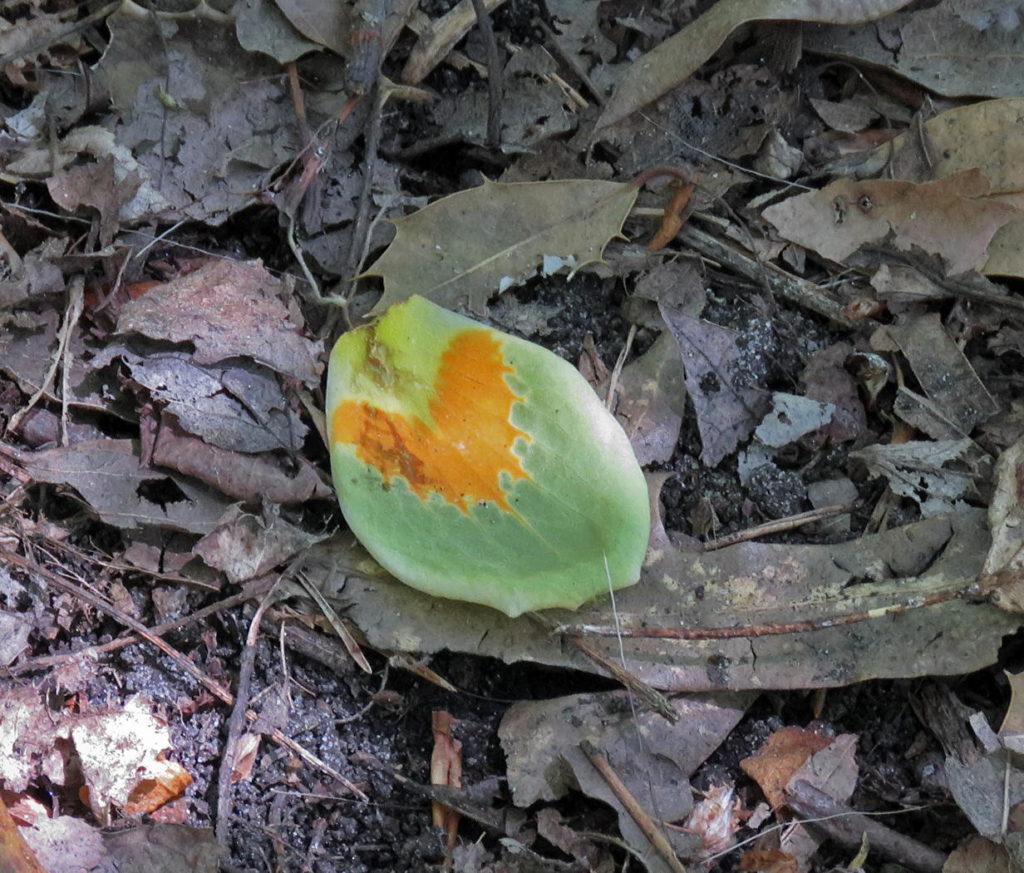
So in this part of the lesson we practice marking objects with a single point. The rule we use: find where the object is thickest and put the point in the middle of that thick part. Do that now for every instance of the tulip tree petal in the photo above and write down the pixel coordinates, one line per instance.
(478, 466)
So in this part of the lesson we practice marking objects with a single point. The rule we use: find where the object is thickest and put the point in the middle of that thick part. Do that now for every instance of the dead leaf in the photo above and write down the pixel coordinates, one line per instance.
(262, 27)
(202, 119)
(227, 309)
(239, 406)
(768, 861)
(245, 756)
(324, 23)
(978, 855)
(63, 843)
(978, 136)
(112, 483)
(542, 739)
(946, 376)
(651, 400)
(939, 476)
(955, 217)
(959, 48)
(1002, 577)
(782, 754)
(251, 478)
(120, 749)
(245, 546)
(34, 276)
(826, 380)
(164, 848)
(739, 586)
(727, 410)
(96, 185)
(468, 246)
(715, 819)
(678, 57)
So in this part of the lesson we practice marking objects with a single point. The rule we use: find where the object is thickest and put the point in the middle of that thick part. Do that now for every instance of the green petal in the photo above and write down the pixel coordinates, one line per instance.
(477, 466)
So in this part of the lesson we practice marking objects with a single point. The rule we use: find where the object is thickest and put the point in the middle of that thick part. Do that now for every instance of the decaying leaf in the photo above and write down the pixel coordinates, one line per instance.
(651, 401)
(727, 409)
(226, 309)
(466, 247)
(939, 475)
(542, 739)
(108, 475)
(947, 378)
(955, 217)
(245, 546)
(746, 585)
(478, 466)
(660, 70)
(1002, 577)
(980, 136)
(958, 48)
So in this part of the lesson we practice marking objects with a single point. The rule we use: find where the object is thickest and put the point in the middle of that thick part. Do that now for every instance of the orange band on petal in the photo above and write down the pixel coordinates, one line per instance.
(470, 443)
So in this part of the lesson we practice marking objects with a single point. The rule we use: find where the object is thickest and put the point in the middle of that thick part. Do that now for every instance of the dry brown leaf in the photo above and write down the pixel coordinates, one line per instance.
(108, 475)
(727, 410)
(227, 309)
(955, 217)
(737, 587)
(465, 247)
(781, 755)
(251, 478)
(982, 135)
(660, 70)
(1002, 577)
(958, 48)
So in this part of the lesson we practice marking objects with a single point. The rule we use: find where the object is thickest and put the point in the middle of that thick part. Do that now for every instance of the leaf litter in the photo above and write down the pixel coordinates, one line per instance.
(836, 490)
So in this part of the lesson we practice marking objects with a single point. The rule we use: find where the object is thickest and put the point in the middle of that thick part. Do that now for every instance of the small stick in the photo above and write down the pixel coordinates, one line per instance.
(570, 61)
(236, 722)
(847, 827)
(732, 632)
(776, 526)
(646, 824)
(440, 38)
(483, 22)
(653, 698)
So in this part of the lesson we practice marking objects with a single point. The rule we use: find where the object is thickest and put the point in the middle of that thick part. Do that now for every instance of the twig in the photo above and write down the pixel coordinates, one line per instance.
(795, 290)
(646, 824)
(71, 315)
(483, 22)
(441, 37)
(214, 687)
(48, 661)
(99, 603)
(776, 526)
(236, 722)
(847, 827)
(620, 362)
(336, 623)
(651, 697)
(360, 226)
(732, 632)
(570, 61)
